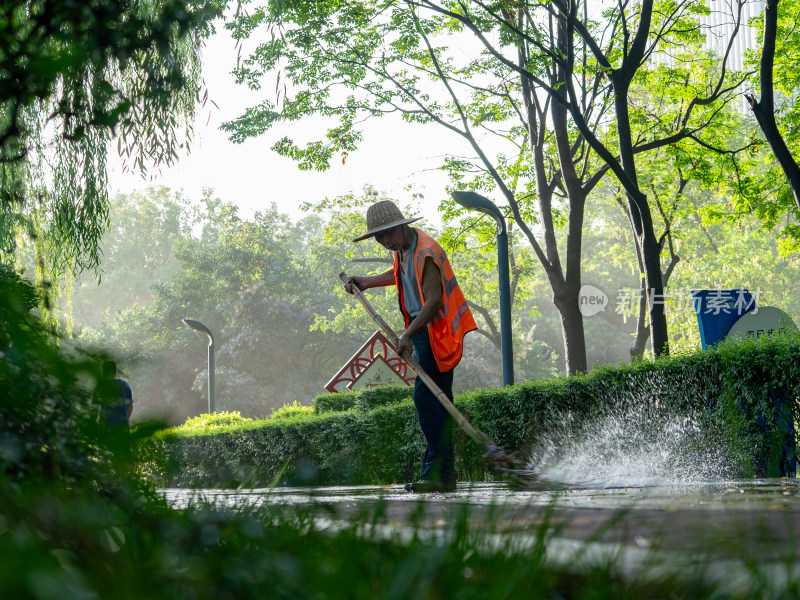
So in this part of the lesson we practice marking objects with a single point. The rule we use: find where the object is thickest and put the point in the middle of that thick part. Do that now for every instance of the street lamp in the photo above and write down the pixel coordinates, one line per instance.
(212, 378)
(473, 201)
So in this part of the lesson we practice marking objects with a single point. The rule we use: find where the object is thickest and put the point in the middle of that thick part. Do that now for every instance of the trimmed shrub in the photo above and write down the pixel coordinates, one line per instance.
(336, 402)
(740, 398)
(364, 399)
(384, 395)
(217, 420)
(327, 449)
(292, 411)
(761, 385)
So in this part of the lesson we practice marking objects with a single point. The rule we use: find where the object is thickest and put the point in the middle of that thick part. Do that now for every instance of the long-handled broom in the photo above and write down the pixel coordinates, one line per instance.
(500, 463)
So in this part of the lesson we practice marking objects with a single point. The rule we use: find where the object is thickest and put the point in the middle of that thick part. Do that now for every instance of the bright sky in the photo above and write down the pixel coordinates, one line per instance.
(251, 175)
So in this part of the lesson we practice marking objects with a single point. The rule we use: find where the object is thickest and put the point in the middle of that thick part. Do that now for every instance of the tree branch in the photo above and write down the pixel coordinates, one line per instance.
(764, 109)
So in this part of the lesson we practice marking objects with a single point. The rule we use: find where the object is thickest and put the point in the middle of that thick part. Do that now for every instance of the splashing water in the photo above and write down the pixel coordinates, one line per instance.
(633, 440)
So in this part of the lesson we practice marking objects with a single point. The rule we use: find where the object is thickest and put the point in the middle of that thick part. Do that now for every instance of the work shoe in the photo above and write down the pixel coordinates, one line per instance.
(429, 486)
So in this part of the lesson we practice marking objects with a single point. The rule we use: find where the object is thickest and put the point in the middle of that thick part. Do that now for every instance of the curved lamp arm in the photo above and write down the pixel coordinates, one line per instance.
(198, 326)
(212, 376)
(476, 202)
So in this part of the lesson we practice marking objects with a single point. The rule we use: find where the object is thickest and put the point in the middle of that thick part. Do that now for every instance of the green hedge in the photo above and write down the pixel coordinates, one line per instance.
(325, 403)
(729, 394)
(363, 399)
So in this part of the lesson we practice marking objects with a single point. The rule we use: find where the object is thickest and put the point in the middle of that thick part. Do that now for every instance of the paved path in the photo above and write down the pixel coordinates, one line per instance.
(742, 537)
(757, 517)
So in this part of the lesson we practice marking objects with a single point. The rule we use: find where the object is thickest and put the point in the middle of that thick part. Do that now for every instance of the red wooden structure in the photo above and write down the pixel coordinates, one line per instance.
(375, 363)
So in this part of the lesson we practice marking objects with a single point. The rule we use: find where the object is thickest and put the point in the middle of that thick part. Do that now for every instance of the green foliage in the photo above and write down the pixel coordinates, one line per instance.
(726, 393)
(206, 421)
(42, 403)
(716, 247)
(761, 391)
(75, 523)
(335, 402)
(771, 197)
(363, 399)
(139, 253)
(73, 77)
(729, 253)
(379, 446)
(292, 411)
(504, 84)
(383, 395)
(63, 494)
(258, 283)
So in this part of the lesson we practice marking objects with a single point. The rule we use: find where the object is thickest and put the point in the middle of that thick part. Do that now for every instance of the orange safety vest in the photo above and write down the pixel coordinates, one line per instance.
(454, 319)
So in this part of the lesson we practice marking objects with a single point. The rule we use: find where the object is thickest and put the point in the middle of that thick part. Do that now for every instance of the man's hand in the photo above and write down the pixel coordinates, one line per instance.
(354, 282)
(365, 283)
(404, 346)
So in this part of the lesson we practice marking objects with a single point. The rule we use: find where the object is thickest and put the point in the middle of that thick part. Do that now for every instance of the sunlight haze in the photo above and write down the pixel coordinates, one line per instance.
(251, 175)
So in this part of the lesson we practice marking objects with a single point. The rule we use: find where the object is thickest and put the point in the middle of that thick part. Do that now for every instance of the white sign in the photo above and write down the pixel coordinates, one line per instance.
(378, 373)
(766, 321)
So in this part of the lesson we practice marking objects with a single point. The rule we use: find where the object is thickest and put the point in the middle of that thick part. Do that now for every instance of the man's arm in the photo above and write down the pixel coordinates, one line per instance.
(431, 303)
(364, 283)
(129, 399)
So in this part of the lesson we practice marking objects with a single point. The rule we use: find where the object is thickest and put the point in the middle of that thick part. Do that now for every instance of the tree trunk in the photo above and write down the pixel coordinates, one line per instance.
(641, 221)
(567, 297)
(764, 109)
(651, 258)
(566, 302)
(624, 167)
(565, 287)
(642, 330)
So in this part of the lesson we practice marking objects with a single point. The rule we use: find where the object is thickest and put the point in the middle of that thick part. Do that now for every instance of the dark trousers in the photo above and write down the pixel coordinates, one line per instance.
(435, 421)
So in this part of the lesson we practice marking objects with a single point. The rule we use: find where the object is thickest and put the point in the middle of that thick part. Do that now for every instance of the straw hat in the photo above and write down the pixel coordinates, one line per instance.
(381, 216)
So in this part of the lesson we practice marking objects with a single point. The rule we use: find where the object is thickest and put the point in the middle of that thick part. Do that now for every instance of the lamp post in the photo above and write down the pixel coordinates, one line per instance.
(473, 201)
(212, 378)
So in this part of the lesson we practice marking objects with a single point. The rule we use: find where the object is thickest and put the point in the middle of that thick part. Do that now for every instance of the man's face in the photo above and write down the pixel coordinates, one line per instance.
(391, 239)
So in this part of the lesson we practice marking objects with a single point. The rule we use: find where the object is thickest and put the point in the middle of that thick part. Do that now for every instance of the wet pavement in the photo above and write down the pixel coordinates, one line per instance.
(744, 494)
(758, 518)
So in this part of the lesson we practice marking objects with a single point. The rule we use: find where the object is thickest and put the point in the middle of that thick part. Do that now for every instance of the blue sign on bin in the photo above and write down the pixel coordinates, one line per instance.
(718, 310)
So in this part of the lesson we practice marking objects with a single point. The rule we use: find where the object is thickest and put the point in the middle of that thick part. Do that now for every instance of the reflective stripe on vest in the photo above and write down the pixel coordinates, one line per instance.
(454, 319)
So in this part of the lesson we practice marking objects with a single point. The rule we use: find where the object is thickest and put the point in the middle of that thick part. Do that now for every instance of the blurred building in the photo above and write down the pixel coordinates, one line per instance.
(720, 26)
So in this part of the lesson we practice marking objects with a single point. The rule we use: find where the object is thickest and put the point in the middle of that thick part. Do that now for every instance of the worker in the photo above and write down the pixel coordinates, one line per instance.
(436, 319)
(115, 405)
